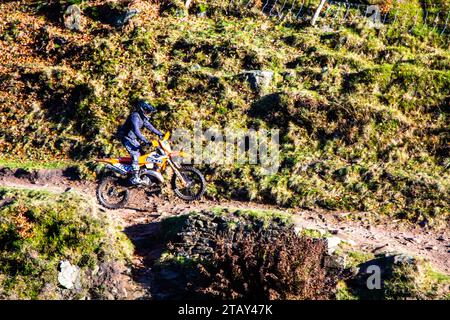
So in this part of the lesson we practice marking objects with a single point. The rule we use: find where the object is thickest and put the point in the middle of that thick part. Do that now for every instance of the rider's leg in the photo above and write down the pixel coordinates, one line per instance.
(134, 153)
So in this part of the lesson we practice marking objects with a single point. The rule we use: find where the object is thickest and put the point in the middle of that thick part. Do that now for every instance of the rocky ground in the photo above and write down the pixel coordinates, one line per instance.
(141, 223)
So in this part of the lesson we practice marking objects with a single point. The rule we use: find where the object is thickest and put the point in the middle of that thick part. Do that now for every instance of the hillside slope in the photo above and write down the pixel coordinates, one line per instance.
(363, 114)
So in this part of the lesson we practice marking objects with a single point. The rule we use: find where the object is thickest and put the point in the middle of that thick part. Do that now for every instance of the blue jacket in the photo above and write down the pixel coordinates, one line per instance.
(131, 130)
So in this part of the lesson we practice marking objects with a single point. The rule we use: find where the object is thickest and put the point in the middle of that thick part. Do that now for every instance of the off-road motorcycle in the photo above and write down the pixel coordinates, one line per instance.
(113, 188)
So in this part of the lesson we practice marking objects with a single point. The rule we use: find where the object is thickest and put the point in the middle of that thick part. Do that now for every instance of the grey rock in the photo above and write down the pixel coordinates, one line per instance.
(332, 244)
(334, 262)
(380, 248)
(413, 239)
(125, 17)
(289, 75)
(220, 220)
(200, 224)
(403, 259)
(258, 79)
(69, 275)
(298, 230)
(73, 18)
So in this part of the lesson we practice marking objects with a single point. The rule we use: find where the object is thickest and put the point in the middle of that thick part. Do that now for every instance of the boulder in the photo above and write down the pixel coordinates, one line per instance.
(334, 263)
(289, 75)
(402, 258)
(123, 18)
(333, 243)
(73, 18)
(69, 275)
(258, 79)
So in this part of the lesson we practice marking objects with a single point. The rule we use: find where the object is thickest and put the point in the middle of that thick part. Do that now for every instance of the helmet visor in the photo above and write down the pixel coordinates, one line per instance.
(147, 108)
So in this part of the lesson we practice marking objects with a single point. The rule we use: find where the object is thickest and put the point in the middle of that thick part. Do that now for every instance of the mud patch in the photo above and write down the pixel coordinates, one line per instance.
(41, 175)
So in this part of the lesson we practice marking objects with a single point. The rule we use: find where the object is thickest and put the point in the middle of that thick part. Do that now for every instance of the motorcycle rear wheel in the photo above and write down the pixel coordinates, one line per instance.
(109, 188)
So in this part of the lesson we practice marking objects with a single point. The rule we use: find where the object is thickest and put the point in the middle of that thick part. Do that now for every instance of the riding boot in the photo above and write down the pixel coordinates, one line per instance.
(135, 178)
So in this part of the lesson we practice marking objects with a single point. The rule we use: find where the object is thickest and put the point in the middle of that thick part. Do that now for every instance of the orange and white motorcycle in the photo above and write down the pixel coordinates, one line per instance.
(113, 188)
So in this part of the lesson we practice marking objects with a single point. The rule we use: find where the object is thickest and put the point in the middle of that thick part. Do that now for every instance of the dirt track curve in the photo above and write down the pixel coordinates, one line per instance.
(140, 218)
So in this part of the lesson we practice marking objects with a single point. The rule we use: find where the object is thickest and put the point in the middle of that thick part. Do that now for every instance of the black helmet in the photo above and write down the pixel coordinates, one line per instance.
(145, 107)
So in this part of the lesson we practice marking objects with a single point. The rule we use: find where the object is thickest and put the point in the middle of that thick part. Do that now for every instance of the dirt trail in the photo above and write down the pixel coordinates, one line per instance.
(140, 220)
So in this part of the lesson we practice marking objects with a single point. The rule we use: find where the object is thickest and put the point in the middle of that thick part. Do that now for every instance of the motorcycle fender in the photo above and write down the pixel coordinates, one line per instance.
(154, 174)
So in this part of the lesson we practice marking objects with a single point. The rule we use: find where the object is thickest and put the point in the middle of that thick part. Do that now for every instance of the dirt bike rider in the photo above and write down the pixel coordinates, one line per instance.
(132, 138)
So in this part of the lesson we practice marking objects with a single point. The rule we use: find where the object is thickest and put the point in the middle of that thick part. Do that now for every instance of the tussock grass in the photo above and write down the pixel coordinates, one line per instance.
(40, 229)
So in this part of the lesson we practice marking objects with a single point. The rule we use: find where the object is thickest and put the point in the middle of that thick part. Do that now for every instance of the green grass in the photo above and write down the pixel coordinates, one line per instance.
(312, 233)
(436, 282)
(355, 258)
(34, 165)
(439, 277)
(263, 215)
(344, 293)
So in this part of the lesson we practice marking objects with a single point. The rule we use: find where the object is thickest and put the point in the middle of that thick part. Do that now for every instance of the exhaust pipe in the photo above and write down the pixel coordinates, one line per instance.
(116, 169)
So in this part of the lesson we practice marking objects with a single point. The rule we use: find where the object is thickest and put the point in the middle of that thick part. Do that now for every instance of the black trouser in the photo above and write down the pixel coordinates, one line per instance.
(134, 152)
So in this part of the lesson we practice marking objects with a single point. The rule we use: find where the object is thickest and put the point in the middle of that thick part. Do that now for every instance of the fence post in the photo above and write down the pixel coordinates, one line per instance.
(317, 13)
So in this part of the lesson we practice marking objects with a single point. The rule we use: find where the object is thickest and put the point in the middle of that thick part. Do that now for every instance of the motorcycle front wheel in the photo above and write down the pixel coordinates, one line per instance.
(196, 184)
(111, 193)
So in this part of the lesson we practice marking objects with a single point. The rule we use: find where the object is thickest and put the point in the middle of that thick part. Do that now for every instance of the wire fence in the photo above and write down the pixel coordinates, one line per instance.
(338, 13)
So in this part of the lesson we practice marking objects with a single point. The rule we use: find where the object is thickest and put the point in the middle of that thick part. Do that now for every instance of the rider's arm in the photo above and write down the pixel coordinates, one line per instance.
(136, 128)
(150, 127)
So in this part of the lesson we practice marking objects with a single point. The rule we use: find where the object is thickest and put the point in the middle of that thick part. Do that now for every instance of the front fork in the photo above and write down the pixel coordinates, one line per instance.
(176, 168)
